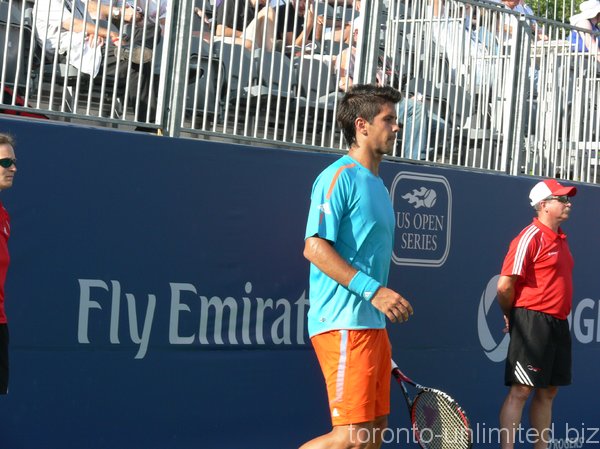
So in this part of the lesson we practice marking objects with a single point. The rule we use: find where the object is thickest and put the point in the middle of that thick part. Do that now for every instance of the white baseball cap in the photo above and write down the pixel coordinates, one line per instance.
(549, 187)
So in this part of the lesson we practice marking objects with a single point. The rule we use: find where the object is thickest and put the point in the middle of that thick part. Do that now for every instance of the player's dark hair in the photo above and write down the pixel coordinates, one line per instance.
(365, 101)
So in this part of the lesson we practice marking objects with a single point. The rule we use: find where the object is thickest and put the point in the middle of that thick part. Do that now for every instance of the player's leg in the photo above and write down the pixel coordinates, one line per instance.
(351, 436)
(557, 372)
(540, 415)
(517, 375)
(383, 353)
(352, 367)
(379, 427)
(511, 413)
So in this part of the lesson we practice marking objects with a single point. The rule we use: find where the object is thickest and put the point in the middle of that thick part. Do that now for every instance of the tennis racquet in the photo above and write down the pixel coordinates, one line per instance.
(438, 421)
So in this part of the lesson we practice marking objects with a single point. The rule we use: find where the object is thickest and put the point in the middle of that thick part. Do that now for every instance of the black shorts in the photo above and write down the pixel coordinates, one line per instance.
(3, 358)
(539, 354)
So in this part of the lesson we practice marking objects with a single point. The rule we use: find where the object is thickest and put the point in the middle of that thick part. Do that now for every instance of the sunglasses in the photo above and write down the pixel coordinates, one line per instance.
(561, 199)
(7, 162)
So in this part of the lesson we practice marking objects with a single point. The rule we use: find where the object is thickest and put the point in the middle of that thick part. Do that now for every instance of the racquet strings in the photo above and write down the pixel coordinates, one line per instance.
(439, 422)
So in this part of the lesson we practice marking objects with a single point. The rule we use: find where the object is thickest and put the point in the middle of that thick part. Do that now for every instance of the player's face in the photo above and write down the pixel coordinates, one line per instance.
(382, 130)
(558, 207)
(7, 174)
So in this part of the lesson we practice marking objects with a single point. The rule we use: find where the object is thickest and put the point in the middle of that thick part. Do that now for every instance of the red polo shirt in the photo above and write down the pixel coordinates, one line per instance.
(4, 257)
(543, 263)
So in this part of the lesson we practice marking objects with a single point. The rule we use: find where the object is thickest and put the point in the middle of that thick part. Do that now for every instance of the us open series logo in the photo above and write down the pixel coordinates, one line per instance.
(423, 208)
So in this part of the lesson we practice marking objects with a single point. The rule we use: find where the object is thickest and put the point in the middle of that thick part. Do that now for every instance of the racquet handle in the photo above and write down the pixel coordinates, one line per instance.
(400, 376)
(396, 371)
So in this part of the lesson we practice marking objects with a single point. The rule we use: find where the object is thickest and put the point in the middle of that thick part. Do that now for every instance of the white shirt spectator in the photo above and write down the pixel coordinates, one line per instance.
(54, 37)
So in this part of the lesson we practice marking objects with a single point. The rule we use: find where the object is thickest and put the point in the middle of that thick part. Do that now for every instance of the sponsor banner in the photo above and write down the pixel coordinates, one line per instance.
(229, 321)
(159, 283)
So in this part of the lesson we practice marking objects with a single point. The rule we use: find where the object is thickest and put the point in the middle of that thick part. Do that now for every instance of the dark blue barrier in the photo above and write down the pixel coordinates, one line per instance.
(157, 293)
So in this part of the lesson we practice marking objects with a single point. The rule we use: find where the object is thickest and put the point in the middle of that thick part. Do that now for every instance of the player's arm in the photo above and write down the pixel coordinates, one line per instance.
(323, 255)
(506, 293)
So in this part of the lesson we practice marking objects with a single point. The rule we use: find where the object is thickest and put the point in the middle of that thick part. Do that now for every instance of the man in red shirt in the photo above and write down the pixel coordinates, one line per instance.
(7, 174)
(535, 292)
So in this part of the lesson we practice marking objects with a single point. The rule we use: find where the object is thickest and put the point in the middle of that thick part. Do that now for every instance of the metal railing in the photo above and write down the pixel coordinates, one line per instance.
(485, 87)
(516, 95)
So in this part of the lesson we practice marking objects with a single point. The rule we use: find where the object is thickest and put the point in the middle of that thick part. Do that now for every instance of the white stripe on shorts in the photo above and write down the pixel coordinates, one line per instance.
(341, 371)
(522, 375)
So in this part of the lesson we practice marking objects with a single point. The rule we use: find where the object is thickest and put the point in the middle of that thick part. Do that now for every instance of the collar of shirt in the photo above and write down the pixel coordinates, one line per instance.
(549, 232)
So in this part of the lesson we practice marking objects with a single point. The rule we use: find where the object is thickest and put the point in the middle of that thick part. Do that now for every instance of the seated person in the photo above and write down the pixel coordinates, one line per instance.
(337, 30)
(68, 32)
(156, 12)
(522, 8)
(588, 19)
(151, 27)
(237, 21)
(412, 113)
(294, 21)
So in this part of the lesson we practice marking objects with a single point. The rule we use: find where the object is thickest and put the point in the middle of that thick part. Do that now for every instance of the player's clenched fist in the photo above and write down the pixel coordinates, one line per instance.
(395, 307)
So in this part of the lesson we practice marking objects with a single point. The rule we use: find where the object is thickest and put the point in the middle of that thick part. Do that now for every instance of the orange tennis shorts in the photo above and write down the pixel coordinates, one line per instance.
(356, 365)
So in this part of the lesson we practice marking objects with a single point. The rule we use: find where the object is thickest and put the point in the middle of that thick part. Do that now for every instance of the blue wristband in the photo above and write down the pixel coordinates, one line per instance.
(363, 285)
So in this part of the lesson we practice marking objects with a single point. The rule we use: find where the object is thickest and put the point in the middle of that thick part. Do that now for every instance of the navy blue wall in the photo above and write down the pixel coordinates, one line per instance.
(157, 293)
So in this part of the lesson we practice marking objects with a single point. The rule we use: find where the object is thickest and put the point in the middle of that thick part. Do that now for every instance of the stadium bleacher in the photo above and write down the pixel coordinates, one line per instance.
(523, 105)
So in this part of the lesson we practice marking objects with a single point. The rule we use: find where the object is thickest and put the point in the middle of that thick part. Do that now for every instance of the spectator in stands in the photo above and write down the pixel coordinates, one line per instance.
(520, 7)
(73, 31)
(478, 25)
(412, 113)
(588, 19)
(335, 29)
(148, 22)
(204, 30)
(510, 26)
(467, 39)
(294, 21)
(156, 11)
(153, 13)
(151, 29)
(239, 21)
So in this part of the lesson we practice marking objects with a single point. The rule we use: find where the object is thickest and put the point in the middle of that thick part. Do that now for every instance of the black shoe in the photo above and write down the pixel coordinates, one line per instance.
(137, 55)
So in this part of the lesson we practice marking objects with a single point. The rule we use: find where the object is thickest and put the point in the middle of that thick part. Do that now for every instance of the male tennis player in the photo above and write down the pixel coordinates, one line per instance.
(535, 293)
(349, 238)
(7, 174)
